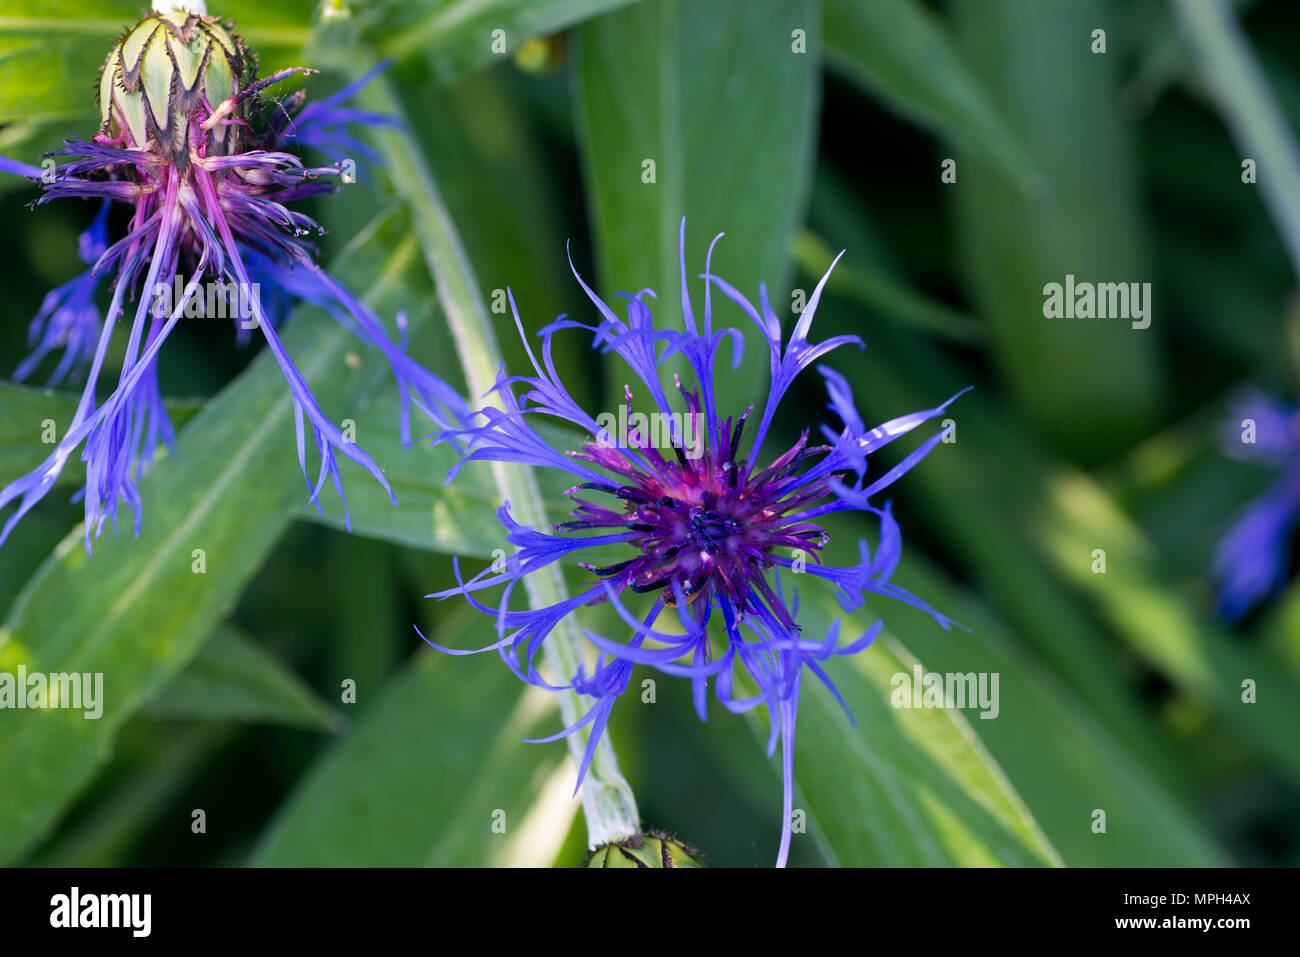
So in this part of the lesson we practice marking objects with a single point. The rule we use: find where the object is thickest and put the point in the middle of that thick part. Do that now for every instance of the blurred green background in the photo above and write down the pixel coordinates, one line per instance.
(799, 128)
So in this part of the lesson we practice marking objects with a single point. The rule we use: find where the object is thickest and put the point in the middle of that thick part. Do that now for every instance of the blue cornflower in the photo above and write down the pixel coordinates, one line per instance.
(698, 519)
(203, 165)
(1252, 557)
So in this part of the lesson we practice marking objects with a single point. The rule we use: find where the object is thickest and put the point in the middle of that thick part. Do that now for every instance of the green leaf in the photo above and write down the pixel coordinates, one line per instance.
(1060, 99)
(514, 233)
(44, 44)
(1063, 759)
(1280, 633)
(1183, 491)
(233, 678)
(1071, 735)
(1248, 107)
(1149, 610)
(873, 289)
(908, 786)
(998, 469)
(151, 769)
(460, 774)
(715, 97)
(457, 36)
(369, 628)
(1001, 468)
(459, 518)
(1208, 289)
(141, 612)
(902, 52)
(51, 51)
(1037, 527)
(31, 414)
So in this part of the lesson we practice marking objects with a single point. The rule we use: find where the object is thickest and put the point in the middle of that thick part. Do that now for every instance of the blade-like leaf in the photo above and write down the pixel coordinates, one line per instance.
(458, 36)
(1087, 224)
(154, 765)
(459, 519)
(31, 416)
(369, 630)
(462, 790)
(1148, 609)
(872, 289)
(234, 678)
(1249, 108)
(1039, 524)
(702, 110)
(900, 51)
(1074, 741)
(907, 787)
(1064, 761)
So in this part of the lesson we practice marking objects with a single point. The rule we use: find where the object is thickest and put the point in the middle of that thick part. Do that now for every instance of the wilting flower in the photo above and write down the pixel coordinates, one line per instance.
(702, 527)
(203, 166)
(1252, 558)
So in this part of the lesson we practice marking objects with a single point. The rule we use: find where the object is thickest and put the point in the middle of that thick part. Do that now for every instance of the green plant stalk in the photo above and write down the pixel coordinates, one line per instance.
(607, 799)
(1258, 127)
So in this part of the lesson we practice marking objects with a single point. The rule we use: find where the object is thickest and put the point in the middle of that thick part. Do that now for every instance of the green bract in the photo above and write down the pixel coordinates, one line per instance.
(161, 70)
(652, 849)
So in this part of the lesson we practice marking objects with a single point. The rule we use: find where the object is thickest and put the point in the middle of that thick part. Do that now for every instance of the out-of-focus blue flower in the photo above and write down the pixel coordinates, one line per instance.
(692, 515)
(202, 163)
(1251, 562)
(68, 318)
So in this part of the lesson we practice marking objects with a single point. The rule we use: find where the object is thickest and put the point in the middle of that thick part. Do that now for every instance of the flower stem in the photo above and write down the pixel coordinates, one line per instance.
(607, 799)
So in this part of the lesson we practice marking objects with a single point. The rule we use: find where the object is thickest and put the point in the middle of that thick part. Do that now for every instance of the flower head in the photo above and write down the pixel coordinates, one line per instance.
(698, 517)
(1252, 557)
(206, 171)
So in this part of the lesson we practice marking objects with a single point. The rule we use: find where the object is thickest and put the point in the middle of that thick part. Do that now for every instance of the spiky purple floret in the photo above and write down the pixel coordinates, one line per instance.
(1252, 559)
(324, 125)
(218, 211)
(703, 528)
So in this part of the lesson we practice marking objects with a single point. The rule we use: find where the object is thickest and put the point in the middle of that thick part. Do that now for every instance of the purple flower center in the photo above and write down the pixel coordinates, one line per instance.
(702, 520)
